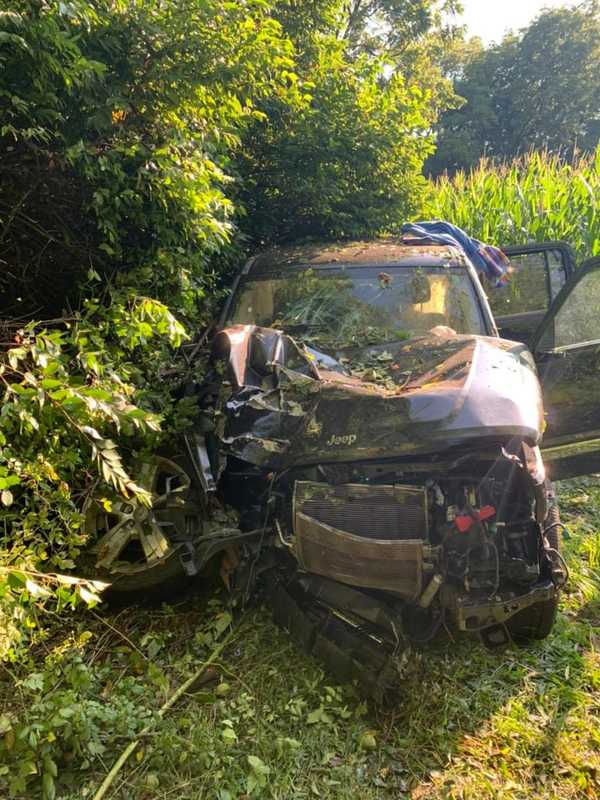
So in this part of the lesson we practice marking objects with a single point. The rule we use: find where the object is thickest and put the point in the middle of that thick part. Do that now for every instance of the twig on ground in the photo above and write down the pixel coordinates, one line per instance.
(131, 747)
(119, 633)
(233, 675)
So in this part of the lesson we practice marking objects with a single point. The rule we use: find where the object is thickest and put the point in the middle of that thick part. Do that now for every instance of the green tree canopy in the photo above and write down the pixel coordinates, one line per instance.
(349, 162)
(117, 124)
(536, 90)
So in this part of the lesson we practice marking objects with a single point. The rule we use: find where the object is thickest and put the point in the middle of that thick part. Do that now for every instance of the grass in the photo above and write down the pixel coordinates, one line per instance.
(519, 723)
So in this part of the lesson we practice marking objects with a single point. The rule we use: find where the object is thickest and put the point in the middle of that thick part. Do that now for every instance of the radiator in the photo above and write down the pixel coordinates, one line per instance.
(368, 536)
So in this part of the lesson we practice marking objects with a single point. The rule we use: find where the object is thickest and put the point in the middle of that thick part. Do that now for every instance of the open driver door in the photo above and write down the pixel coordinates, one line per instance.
(566, 347)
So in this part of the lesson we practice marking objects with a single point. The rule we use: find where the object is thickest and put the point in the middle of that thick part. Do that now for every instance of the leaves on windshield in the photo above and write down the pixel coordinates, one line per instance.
(327, 311)
(375, 368)
(344, 309)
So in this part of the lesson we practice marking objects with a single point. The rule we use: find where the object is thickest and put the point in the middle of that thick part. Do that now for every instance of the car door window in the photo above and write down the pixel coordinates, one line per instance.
(577, 321)
(535, 281)
(539, 271)
(567, 351)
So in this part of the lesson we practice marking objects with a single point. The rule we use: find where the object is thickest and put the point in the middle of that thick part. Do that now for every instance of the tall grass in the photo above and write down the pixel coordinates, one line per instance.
(537, 197)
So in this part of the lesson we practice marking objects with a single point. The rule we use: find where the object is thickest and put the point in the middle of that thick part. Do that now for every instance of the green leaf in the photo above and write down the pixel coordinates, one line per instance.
(15, 355)
(16, 579)
(222, 622)
(5, 723)
(48, 786)
(50, 766)
(9, 480)
(229, 735)
(34, 681)
(368, 741)
(258, 765)
(50, 383)
(251, 782)
(315, 716)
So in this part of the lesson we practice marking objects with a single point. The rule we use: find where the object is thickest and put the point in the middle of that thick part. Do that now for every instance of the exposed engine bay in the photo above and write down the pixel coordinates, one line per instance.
(469, 545)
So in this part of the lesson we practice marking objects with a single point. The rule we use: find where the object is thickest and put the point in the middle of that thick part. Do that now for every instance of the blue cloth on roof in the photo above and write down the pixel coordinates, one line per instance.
(485, 257)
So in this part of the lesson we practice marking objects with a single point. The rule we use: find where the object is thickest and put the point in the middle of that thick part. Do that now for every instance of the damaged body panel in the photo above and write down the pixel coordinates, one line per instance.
(443, 390)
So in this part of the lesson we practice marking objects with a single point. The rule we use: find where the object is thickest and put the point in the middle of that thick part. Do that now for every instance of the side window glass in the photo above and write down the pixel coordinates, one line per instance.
(536, 280)
(556, 268)
(527, 289)
(578, 319)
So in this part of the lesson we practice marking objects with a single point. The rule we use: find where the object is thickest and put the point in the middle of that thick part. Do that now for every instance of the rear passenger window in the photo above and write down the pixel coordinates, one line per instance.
(539, 272)
(536, 280)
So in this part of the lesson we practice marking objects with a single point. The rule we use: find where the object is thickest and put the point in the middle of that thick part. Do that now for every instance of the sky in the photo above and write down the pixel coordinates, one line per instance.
(491, 19)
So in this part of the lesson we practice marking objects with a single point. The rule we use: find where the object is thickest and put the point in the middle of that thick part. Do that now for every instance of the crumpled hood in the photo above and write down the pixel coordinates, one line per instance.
(284, 404)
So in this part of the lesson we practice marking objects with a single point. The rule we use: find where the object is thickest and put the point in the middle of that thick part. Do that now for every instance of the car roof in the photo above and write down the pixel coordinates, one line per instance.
(379, 252)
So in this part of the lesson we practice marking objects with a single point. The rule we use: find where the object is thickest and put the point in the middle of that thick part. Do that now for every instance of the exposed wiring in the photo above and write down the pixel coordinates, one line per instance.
(497, 582)
(556, 525)
(559, 556)
(557, 553)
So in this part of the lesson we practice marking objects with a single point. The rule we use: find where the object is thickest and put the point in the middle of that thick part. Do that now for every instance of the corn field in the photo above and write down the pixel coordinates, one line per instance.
(535, 198)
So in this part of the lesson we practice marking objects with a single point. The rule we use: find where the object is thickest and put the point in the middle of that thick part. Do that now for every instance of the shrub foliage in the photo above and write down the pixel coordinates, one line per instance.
(143, 146)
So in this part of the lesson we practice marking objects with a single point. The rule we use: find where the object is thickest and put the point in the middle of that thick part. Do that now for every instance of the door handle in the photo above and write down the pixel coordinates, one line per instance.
(550, 355)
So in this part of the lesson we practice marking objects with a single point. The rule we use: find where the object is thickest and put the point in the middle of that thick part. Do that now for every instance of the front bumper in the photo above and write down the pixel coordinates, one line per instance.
(472, 613)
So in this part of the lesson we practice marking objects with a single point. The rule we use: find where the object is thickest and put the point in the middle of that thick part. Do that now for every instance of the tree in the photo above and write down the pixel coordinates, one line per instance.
(349, 162)
(535, 90)
(117, 124)
(349, 165)
(374, 27)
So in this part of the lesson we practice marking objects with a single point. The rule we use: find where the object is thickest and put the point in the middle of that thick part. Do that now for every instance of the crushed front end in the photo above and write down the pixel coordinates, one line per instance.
(390, 511)
(458, 541)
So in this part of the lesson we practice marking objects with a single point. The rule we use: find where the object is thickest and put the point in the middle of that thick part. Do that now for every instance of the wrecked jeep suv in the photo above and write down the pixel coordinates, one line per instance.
(381, 444)
(372, 419)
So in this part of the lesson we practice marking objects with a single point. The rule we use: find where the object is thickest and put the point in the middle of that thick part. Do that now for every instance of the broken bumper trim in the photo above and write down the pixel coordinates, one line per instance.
(471, 614)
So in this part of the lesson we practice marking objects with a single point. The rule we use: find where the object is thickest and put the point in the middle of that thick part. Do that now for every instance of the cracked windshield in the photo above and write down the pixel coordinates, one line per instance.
(334, 310)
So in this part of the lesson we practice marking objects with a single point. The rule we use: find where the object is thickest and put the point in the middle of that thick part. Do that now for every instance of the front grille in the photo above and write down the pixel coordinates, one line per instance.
(373, 512)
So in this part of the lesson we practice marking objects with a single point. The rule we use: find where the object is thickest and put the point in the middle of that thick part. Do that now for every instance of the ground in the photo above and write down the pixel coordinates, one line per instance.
(518, 723)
